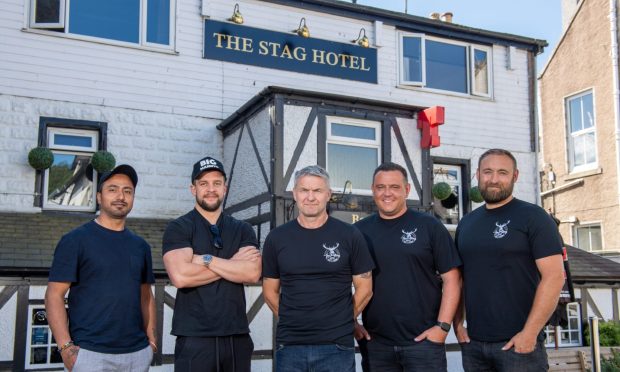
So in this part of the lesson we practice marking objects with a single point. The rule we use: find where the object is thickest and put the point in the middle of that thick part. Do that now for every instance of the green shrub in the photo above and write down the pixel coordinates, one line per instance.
(611, 364)
(609, 333)
(103, 161)
(442, 190)
(40, 158)
(475, 195)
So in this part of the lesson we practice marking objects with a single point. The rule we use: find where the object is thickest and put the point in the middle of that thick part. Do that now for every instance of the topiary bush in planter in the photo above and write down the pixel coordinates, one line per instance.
(103, 161)
(40, 158)
(475, 195)
(442, 190)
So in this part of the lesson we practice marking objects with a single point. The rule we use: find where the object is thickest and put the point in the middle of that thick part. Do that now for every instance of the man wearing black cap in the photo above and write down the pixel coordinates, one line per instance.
(108, 270)
(208, 257)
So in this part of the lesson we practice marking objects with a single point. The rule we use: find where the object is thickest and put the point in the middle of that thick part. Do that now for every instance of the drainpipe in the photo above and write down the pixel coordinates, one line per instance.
(613, 22)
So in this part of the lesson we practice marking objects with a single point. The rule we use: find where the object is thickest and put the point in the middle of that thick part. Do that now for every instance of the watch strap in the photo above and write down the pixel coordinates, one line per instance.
(445, 326)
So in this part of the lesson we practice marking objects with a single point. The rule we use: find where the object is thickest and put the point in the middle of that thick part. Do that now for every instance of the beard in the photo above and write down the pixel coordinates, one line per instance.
(496, 196)
(113, 211)
(213, 207)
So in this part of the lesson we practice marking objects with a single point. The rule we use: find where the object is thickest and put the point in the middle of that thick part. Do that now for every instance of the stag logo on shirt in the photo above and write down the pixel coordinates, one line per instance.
(501, 229)
(332, 254)
(408, 236)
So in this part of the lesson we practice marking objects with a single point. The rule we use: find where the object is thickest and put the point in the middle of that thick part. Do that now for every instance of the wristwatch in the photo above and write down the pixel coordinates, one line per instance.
(206, 259)
(445, 326)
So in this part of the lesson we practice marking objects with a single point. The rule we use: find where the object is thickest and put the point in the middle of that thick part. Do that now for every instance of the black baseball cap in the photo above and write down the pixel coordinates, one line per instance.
(121, 169)
(207, 164)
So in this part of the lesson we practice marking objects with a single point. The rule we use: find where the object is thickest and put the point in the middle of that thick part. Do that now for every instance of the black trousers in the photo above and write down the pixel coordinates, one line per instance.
(213, 354)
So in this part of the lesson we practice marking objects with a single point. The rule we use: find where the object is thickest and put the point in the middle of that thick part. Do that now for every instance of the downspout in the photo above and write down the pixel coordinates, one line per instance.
(613, 22)
(535, 131)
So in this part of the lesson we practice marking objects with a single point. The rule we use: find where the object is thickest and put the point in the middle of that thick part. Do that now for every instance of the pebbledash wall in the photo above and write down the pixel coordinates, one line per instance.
(158, 107)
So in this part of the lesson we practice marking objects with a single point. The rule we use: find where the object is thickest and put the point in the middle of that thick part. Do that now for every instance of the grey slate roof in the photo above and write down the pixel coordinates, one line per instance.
(586, 267)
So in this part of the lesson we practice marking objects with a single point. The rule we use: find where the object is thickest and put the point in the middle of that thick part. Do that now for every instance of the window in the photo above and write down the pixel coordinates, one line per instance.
(449, 211)
(42, 350)
(353, 152)
(139, 22)
(569, 329)
(70, 183)
(442, 65)
(588, 237)
(582, 129)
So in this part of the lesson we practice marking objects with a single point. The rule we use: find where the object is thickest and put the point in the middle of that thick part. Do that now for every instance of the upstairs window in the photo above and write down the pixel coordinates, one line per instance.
(582, 132)
(353, 152)
(70, 183)
(445, 65)
(138, 22)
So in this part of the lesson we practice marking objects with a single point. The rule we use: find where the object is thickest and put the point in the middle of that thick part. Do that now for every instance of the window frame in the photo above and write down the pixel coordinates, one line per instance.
(44, 25)
(401, 62)
(70, 150)
(29, 346)
(356, 142)
(569, 331)
(469, 50)
(589, 224)
(570, 136)
(472, 62)
(465, 204)
(65, 6)
(59, 125)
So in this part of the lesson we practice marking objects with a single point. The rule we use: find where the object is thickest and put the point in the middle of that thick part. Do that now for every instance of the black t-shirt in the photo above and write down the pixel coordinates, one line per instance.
(499, 248)
(315, 268)
(410, 252)
(218, 308)
(106, 269)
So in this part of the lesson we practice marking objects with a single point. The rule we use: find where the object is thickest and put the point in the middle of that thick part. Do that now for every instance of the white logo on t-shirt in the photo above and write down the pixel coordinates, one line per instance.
(408, 236)
(501, 230)
(332, 254)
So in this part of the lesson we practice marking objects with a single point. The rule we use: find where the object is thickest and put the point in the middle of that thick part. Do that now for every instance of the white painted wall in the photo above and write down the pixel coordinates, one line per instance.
(162, 108)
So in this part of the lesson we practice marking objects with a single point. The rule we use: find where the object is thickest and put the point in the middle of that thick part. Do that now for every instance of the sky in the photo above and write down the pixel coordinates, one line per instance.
(539, 19)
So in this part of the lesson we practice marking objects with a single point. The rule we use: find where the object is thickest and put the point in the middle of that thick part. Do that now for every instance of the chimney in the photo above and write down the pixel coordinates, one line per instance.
(447, 17)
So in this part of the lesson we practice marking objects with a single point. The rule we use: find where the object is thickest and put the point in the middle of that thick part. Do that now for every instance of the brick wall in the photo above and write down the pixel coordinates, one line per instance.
(28, 240)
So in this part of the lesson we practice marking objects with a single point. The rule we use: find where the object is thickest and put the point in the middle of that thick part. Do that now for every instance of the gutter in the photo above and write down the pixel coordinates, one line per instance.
(613, 22)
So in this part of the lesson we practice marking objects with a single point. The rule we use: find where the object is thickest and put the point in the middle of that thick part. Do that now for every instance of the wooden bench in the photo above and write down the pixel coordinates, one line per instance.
(573, 359)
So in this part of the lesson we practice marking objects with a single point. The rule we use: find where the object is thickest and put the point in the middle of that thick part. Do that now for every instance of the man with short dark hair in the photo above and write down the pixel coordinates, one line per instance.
(107, 271)
(309, 264)
(512, 274)
(416, 283)
(208, 256)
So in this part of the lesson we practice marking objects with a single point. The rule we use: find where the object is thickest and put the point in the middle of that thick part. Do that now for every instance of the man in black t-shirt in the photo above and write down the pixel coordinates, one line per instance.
(416, 283)
(208, 257)
(309, 264)
(512, 274)
(108, 273)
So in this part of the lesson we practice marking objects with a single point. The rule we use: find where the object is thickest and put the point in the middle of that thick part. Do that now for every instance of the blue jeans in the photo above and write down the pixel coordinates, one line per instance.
(423, 356)
(481, 356)
(315, 358)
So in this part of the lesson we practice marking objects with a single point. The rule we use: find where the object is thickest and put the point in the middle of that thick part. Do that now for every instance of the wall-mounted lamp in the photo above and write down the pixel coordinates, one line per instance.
(302, 30)
(362, 40)
(347, 199)
(236, 16)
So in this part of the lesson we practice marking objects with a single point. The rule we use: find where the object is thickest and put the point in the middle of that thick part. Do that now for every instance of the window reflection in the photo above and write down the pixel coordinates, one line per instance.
(70, 181)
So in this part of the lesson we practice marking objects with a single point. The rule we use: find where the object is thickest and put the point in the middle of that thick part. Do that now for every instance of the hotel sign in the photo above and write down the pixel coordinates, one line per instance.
(283, 51)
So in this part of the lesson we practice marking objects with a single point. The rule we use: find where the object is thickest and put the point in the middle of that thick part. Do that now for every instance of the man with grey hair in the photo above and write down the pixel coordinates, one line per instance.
(309, 264)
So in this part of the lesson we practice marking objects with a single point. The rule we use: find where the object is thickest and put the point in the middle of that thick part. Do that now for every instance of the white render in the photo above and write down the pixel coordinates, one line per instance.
(7, 328)
(162, 108)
